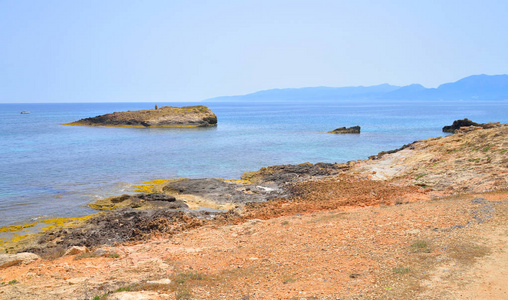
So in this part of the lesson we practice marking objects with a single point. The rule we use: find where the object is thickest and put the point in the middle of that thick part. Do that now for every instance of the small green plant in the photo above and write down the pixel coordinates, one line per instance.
(420, 176)
(401, 270)
(114, 255)
(419, 244)
(285, 223)
(503, 151)
(97, 298)
(14, 281)
(487, 148)
(123, 289)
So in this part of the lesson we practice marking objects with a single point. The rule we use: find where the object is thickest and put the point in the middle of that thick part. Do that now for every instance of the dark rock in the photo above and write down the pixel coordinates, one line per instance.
(220, 191)
(466, 125)
(459, 123)
(342, 130)
(283, 174)
(157, 197)
(142, 201)
(118, 226)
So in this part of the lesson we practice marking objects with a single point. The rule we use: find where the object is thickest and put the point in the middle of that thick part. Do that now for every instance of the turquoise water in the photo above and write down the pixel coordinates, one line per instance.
(48, 169)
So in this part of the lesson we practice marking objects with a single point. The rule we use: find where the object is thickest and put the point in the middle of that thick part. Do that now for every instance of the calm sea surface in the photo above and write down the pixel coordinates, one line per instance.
(47, 169)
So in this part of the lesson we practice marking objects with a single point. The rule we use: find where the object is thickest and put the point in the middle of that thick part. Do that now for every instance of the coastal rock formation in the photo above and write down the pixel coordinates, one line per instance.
(354, 129)
(283, 174)
(471, 161)
(440, 204)
(220, 194)
(466, 125)
(166, 116)
(141, 201)
(457, 124)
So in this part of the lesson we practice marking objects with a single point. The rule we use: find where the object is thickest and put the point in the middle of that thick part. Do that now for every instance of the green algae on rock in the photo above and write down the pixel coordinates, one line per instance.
(166, 116)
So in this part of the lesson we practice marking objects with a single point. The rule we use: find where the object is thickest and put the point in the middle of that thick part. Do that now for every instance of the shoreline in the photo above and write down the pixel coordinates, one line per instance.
(387, 227)
(257, 186)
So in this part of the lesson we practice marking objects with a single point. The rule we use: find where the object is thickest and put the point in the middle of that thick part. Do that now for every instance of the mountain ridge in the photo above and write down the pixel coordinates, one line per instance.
(474, 87)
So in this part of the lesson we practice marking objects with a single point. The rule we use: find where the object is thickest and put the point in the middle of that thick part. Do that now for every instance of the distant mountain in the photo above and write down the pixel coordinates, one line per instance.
(312, 93)
(482, 87)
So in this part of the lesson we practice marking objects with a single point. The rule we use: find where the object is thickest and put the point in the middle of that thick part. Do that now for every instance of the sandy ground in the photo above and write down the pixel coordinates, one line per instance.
(451, 248)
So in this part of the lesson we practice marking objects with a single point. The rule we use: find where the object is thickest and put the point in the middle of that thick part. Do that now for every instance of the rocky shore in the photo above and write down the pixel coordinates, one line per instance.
(166, 116)
(417, 222)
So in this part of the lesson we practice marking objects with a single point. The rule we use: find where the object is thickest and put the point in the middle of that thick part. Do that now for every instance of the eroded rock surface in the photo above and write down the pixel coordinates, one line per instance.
(7, 260)
(141, 201)
(283, 174)
(117, 226)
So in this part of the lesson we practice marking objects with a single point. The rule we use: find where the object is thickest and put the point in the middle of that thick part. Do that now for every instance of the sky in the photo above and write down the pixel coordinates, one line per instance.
(172, 51)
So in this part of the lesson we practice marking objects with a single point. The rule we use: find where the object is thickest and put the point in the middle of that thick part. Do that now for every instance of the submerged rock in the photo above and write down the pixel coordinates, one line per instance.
(166, 116)
(354, 129)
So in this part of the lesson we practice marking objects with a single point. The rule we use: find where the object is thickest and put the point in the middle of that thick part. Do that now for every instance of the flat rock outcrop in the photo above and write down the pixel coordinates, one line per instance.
(343, 130)
(166, 116)
(141, 201)
(7, 260)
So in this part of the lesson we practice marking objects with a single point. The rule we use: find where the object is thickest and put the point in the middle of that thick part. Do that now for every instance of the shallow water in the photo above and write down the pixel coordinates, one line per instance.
(48, 169)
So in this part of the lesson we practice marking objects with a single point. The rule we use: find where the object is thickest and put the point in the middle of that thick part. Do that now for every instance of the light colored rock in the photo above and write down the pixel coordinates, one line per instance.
(78, 280)
(101, 252)
(76, 250)
(160, 281)
(134, 295)
(7, 260)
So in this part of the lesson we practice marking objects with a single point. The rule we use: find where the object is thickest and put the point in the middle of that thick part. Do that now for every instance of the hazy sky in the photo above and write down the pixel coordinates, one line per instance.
(105, 51)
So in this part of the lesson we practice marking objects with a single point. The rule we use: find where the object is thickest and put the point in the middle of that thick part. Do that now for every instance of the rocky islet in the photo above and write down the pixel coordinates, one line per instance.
(159, 117)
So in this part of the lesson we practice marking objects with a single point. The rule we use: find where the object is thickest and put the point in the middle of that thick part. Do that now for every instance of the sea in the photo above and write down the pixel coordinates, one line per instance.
(51, 170)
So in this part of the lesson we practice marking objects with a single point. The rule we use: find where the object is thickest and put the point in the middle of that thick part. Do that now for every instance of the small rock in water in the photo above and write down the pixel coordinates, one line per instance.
(354, 129)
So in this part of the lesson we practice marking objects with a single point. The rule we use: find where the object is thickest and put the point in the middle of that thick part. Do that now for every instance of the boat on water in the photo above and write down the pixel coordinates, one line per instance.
(25, 112)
